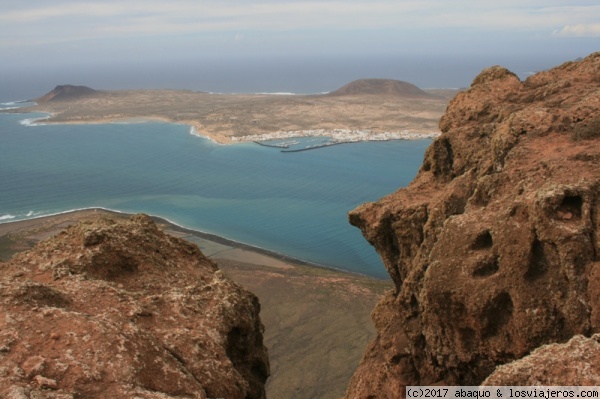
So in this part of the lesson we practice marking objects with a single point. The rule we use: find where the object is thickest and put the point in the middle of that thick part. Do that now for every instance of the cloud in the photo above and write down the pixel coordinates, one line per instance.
(27, 24)
(202, 15)
(579, 30)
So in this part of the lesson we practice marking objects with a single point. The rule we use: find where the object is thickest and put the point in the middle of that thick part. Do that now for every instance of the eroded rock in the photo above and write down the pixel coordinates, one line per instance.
(576, 361)
(494, 247)
(122, 310)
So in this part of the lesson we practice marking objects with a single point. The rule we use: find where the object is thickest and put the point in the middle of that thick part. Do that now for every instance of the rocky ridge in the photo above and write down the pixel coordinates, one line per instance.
(494, 248)
(122, 310)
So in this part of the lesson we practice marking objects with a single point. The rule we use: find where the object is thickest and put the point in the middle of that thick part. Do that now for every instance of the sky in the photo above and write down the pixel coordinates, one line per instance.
(80, 34)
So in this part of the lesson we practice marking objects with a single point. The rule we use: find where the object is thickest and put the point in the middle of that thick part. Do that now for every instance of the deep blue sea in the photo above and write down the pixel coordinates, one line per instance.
(292, 203)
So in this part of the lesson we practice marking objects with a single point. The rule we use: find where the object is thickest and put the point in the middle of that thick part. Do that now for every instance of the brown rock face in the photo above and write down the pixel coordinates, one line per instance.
(494, 248)
(577, 361)
(122, 310)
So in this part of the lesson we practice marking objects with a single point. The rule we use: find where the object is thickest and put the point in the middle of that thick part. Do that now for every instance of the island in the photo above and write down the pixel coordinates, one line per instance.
(367, 109)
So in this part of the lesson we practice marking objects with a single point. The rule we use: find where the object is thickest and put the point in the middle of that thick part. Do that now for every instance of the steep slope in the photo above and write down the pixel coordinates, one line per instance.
(122, 310)
(380, 87)
(494, 248)
(66, 92)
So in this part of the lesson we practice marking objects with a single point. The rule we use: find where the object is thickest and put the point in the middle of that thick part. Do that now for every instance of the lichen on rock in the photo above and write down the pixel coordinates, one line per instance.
(576, 362)
(123, 310)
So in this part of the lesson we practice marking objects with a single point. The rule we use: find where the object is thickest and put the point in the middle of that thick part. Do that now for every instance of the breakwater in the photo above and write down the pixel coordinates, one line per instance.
(340, 135)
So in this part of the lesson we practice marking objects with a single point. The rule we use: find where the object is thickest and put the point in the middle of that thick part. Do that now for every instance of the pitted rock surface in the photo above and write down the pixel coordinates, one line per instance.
(122, 310)
(576, 362)
(494, 248)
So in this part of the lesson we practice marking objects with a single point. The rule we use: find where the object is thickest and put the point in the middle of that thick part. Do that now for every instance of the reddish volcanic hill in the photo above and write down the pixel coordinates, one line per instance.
(380, 87)
(66, 92)
(494, 248)
(122, 310)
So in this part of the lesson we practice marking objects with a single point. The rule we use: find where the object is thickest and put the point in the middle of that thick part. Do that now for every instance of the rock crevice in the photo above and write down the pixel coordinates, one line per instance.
(493, 248)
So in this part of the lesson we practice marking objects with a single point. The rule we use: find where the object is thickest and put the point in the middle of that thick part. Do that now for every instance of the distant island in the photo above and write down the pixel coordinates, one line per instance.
(66, 92)
(381, 87)
(366, 109)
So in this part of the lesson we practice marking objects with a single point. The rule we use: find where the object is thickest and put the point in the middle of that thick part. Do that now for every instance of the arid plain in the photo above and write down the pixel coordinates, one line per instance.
(373, 105)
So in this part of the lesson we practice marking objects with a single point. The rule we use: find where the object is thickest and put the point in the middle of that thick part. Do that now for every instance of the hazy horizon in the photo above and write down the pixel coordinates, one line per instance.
(302, 46)
(301, 75)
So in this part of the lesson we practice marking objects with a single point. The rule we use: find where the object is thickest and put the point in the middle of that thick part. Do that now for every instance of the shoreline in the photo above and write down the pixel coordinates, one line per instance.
(7, 227)
(195, 128)
(338, 135)
(305, 310)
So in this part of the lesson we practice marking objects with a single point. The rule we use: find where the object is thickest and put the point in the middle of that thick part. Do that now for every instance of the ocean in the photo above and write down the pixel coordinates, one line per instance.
(295, 203)
(302, 75)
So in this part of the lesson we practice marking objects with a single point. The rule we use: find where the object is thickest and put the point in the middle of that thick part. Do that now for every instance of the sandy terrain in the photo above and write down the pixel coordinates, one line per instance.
(317, 321)
(221, 116)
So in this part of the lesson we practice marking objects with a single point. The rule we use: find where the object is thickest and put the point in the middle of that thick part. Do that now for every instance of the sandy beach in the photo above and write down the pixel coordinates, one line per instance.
(305, 309)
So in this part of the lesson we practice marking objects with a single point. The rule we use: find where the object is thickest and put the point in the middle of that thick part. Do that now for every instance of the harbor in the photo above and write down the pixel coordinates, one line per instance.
(304, 140)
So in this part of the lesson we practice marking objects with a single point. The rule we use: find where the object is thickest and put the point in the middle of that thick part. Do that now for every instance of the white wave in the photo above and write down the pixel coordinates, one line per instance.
(33, 121)
(212, 236)
(194, 132)
(283, 93)
(38, 215)
(28, 122)
(18, 102)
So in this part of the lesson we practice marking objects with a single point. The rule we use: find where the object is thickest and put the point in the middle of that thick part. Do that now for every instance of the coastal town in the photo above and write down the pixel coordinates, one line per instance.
(363, 110)
(339, 136)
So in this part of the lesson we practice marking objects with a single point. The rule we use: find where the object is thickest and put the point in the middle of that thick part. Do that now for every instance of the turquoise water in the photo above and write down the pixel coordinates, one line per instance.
(292, 203)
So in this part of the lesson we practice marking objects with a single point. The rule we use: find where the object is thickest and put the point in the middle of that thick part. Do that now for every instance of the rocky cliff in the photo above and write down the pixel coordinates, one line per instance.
(494, 248)
(122, 310)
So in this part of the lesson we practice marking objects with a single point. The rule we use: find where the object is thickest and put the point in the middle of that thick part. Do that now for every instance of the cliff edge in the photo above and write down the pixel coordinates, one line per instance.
(122, 310)
(494, 248)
